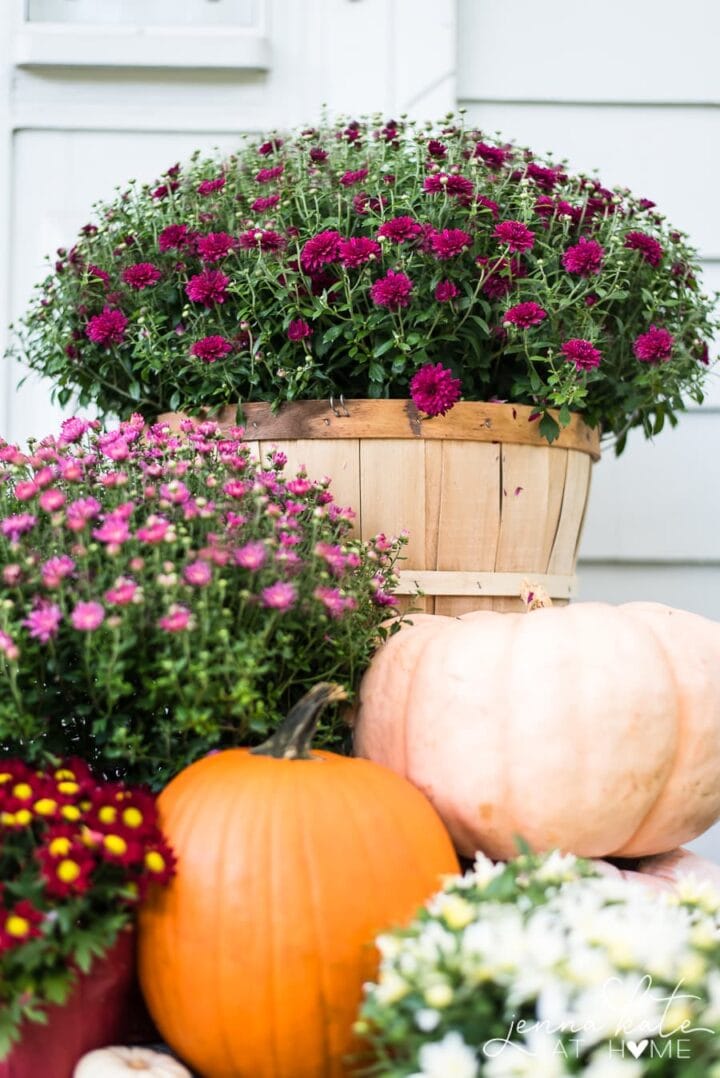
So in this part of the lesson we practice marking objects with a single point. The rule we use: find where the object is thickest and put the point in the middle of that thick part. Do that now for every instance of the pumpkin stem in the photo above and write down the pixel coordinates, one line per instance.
(292, 739)
(534, 596)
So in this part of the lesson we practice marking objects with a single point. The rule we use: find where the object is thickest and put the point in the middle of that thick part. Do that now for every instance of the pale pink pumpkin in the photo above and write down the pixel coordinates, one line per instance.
(665, 871)
(591, 728)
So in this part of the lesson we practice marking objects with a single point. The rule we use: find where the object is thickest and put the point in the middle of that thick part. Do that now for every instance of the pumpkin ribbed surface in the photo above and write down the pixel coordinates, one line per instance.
(252, 961)
(593, 728)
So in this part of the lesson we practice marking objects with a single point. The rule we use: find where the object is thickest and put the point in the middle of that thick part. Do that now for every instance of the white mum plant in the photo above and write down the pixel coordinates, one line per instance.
(541, 968)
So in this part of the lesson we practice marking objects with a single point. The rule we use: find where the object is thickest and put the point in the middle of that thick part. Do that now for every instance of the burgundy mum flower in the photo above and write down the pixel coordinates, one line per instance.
(320, 250)
(584, 258)
(655, 346)
(449, 243)
(261, 239)
(141, 275)
(582, 353)
(453, 185)
(108, 327)
(502, 276)
(350, 178)
(266, 175)
(208, 186)
(299, 329)
(364, 202)
(214, 246)
(648, 247)
(357, 251)
(207, 287)
(174, 237)
(436, 148)
(488, 204)
(318, 154)
(270, 146)
(545, 178)
(446, 291)
(515, 234)
(259, 205)
(493, 156)
(525, 315)
(210, 349)
(400, 229)
(434, 390)
(392, 291)
(101, 274)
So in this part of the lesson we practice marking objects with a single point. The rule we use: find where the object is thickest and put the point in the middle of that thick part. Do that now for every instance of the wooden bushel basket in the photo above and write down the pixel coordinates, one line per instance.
(486, 500)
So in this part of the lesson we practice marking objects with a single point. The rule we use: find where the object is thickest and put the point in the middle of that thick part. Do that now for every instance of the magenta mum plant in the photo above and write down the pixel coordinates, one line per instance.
(350, 257)
(164, 595)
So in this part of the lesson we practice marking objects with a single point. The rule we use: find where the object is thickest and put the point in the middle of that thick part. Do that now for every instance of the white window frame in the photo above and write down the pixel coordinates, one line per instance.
(40, 44)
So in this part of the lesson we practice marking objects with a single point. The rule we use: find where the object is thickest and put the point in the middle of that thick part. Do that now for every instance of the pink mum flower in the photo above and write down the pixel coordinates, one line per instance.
(207, 287)
(334, 601)
(582, 353)
(392, 291)
(141, 275)
(515, 234)
(584, 258)
(320, 250)
(81, 511)
(14, 526)
(122, 593)
(400, 229)
(107, 328)
(357, 251)
(198, 573)
(176, 620)
(252, 556)
(525, 315)
(434, 390)
(114, 530)
(279, 596)
(56, 569)
(43, 621)
(299, 330)
(72, 430)
(52, 500)
(655, 346)
(214, 246)
(211, 349)
(648, 247)
(8, 647)
(154, 530)
(446, 291)
(86, 617)
(449, 243)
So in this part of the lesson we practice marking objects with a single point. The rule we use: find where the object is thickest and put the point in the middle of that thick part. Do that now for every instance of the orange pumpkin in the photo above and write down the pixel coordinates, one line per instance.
(289, 863)
(591, 728)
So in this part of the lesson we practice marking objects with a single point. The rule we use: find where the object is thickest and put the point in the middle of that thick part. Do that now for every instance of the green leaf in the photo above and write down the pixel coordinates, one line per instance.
(381, 349)
(549, 428)
(376, 372)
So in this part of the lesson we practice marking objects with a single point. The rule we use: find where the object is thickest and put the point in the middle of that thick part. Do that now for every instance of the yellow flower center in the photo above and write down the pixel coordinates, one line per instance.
(68, 871)
(64, 773)
(70, 812)
(17, 927)
(23, 817)
(59, 846)
(154, 861)
(115, 844)
(107, 814)
(45, 806)
(68, 788)
(5, 776)
(132, 817)
(23, 791)
(7, 818)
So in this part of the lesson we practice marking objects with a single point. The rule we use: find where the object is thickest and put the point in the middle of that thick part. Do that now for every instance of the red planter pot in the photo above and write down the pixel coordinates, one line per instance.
(96, 1014)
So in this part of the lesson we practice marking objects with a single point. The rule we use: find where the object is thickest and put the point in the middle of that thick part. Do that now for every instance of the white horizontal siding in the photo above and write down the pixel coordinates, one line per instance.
(691, 587)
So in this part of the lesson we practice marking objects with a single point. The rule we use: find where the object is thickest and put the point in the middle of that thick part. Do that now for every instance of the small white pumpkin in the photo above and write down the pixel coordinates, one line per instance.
(118, 1062)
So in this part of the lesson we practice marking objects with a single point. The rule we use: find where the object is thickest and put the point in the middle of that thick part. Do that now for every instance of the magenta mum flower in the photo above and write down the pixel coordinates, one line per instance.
(320, 250)
(582, 353)
(252, 555)
(122, 593)
(434, 390)
(267, 175)
(14, 526)
(280, 596)
(584, 258)
(174, 237)
(214, 246)
(43, 621)
(268, 202)
(449, 243)
(648, 247)
(108, 327)
(207, 287)
(357, 251)
(525, 315)
(208, 186)
(261, 239)
(392, 291)
(299, 330)
(446, 291)
(488, 204)
(349, 179)
(211, 349)
(655, 346)
(198, 573)
(400, 229)
(493, 156)
(87, 616)
(55, 570)
(515, 234)
(176, 620)
(141, 275)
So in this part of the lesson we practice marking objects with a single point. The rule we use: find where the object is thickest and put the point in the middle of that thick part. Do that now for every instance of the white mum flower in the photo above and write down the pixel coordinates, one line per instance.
(427, 1019)
(557, 868)
(484, 870)
(689, 888)
(626, 1006)
(605, 1065)
(540, 1055)
(449, 1058)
